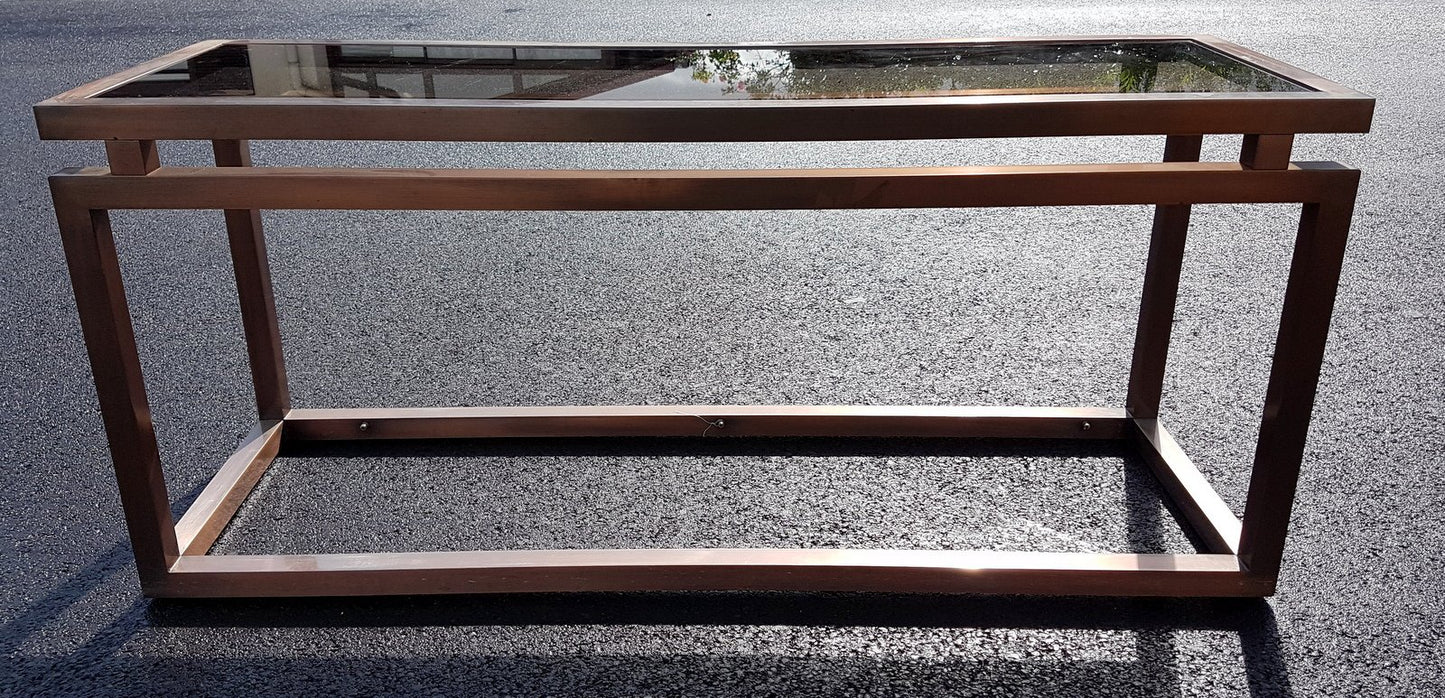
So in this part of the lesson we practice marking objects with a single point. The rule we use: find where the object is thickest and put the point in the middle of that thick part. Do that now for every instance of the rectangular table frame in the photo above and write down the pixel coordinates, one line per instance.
(1242, 557)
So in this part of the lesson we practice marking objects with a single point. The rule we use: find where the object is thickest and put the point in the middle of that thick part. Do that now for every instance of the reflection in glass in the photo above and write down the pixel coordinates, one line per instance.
(571, 73)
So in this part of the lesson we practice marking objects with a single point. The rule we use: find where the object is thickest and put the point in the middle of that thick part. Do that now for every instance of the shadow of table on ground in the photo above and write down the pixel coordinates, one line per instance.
(213, 657)
(1152, 670)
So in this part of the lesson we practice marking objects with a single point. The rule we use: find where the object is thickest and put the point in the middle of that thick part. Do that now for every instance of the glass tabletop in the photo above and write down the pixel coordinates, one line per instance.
(459, 71)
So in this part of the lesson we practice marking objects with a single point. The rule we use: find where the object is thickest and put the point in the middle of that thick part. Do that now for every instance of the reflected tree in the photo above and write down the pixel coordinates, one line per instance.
(1003, 68)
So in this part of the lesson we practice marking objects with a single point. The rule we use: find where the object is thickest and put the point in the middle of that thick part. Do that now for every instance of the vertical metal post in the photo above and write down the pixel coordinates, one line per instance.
(1161, 289)
(1266, 152)
(257, 300)
(110, 342)
(132, 157)
(1309, 301)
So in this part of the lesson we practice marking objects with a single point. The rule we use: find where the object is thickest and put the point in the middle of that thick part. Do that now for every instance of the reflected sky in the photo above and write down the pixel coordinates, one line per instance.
(671, 74)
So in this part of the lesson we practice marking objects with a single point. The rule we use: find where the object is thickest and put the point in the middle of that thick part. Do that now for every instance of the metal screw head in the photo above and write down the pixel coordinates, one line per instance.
(363, 426)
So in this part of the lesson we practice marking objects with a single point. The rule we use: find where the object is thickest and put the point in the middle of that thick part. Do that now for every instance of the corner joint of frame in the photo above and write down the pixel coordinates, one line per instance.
(1262, 583)
(64, 187)
(156, 583)
(287, 434)
(1338, 179)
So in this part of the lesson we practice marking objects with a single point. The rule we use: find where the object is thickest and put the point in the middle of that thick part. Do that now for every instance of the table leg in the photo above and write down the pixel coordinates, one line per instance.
(253, 285)
(1309, 301)
(110, 341)
(1161, 289)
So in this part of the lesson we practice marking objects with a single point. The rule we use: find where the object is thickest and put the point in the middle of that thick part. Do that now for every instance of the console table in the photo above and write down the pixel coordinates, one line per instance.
(1180, 87)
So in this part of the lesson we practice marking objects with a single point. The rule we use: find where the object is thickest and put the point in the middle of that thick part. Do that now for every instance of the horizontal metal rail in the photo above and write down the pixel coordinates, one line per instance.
(207, 517)
(1000, 116)
(1187, 488)
(711, 569)
(707, 420)
(577, 190)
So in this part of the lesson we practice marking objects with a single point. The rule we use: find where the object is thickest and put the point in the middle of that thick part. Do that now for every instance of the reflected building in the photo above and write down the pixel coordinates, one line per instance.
(473, 72)
(419, 72)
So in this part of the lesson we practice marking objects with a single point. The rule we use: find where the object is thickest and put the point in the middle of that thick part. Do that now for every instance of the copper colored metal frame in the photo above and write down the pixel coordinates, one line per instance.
(1243, 556)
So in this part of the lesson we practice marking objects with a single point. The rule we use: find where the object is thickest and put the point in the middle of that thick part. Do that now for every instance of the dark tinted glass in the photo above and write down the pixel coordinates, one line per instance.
(478, 72)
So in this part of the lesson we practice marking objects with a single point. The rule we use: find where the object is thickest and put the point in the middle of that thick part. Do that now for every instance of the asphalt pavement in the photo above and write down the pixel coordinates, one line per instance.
(890, 307)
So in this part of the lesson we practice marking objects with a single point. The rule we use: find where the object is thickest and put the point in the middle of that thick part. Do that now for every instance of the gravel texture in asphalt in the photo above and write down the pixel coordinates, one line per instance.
(891, 307)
